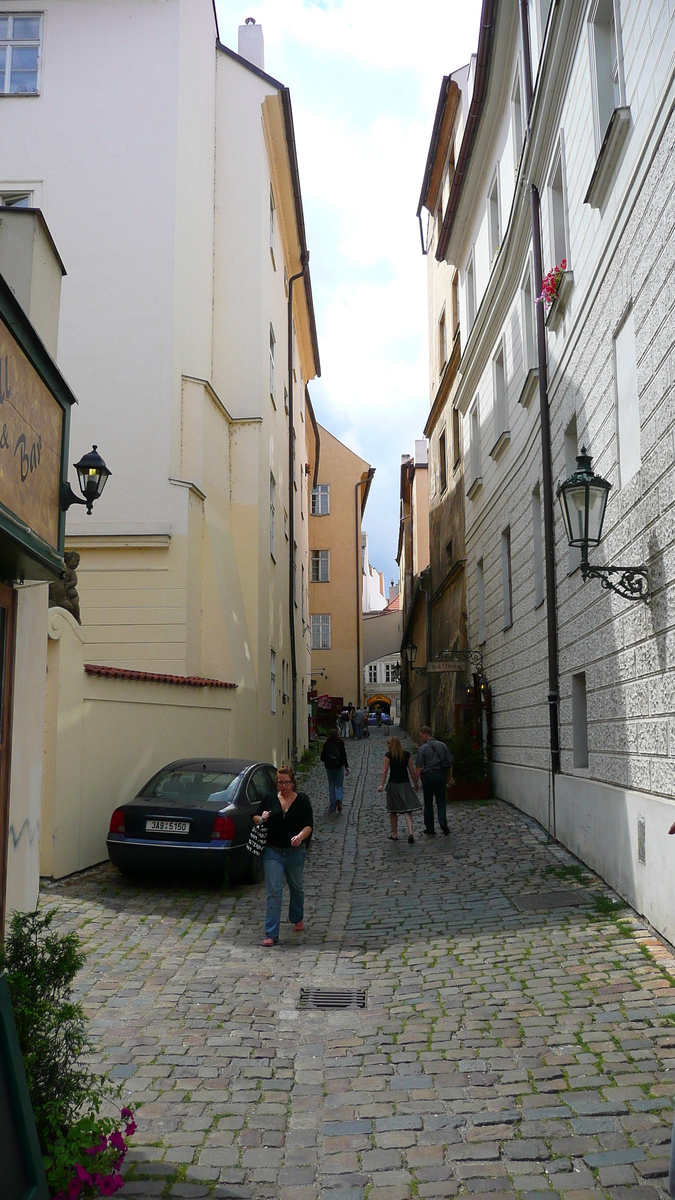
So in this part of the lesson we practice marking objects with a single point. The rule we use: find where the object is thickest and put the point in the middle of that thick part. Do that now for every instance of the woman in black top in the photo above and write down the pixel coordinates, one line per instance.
(400, 795)
(289, 822)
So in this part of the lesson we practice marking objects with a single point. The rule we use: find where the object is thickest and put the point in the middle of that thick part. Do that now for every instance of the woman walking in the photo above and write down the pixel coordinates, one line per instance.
(289, 822)
(334, 759)
(400, 796)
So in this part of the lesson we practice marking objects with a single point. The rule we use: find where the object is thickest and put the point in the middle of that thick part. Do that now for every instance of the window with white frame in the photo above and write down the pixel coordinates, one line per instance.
(516, 122)
(527, 311)
(606, 64)
(456, 443)
(470, 292)
(501, 415)
(390, 672)
(442, 462)
(16, 199)
(557, 208)
(272, 210)
(537, 548)
(321, 500)
(273, 497)
(273, 342)
(320, 631)
(627, 399)
(474, 447)
(273, 681)
(20, 44)
(480, 596)
(442, 342)
(507, 580)
(320, 566)
(494, 218)
(372, 672)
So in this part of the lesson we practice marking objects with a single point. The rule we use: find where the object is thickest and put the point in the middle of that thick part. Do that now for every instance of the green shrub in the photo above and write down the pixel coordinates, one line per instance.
(469, 762)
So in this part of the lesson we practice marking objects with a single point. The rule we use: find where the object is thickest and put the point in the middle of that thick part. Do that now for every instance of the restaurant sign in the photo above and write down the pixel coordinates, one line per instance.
(31, 438)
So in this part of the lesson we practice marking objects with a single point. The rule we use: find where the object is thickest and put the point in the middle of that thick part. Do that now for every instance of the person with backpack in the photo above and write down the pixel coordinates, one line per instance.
(434, 764)
(334, 759)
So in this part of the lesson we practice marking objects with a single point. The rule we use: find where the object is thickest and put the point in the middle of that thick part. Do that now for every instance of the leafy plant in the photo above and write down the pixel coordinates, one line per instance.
(82, 1150)
(469, 760)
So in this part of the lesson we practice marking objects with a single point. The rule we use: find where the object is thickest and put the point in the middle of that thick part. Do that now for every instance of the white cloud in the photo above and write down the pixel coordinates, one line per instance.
(365, 77)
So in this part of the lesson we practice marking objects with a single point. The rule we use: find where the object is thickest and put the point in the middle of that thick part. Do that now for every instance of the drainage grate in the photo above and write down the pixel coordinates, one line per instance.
(331, 998)
(542, 901)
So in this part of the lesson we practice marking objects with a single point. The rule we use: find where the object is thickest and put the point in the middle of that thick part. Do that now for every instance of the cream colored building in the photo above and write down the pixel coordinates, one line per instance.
(175, 198)
(338, 502)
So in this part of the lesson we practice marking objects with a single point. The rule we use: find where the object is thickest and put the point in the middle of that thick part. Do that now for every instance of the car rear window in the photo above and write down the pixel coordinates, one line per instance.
(191, 785)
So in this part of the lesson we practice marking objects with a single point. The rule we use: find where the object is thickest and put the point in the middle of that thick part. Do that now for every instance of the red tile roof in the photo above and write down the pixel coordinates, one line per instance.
(155, 677)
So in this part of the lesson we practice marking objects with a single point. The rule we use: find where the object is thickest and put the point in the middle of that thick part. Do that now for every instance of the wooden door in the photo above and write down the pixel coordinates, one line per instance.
(7, 647)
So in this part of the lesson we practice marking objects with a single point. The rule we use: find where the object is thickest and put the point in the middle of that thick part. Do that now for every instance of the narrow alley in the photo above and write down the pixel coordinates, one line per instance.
(502, 1049)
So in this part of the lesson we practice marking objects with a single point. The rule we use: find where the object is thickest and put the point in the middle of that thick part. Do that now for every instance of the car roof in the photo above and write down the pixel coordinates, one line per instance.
(235, 765)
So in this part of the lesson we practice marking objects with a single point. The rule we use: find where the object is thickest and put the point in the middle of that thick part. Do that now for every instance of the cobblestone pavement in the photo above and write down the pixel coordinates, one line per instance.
(502, 1053)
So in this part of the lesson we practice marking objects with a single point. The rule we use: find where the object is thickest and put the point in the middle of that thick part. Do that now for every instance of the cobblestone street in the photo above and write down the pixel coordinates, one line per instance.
(500, 1052)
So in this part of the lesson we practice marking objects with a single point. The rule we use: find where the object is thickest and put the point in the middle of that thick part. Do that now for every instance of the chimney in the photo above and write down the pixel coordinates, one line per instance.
(251, 43)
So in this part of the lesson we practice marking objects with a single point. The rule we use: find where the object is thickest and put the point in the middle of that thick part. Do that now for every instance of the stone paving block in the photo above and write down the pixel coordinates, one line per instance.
(437, 1191)
(526, 1149)
(614, 1158)
(613, 1176)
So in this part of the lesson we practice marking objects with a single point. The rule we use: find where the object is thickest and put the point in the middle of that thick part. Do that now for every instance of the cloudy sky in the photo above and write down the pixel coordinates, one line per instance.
(364, 78)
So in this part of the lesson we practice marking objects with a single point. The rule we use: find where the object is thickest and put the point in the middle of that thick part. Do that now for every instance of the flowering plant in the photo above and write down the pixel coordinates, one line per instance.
(85, 1161)
(551, 282)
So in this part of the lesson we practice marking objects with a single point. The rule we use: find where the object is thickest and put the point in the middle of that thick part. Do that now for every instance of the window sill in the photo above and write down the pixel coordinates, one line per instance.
(556, 312)
(501, 444)
(612, 145)
(477, 484)
(529, 386)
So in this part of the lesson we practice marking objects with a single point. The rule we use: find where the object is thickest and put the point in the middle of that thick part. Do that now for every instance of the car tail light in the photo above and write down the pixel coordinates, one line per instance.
(117, 821)
(223, 829)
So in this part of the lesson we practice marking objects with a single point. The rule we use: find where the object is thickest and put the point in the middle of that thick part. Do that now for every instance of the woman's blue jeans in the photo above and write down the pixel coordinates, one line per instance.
(335, 781)
(278, 863)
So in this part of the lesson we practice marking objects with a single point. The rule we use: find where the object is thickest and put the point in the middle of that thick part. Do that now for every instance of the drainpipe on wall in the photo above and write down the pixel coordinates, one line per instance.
(304, 259)
(544, 415)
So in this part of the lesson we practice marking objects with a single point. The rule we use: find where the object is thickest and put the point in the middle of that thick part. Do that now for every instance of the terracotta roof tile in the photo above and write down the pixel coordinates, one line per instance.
(155, 677)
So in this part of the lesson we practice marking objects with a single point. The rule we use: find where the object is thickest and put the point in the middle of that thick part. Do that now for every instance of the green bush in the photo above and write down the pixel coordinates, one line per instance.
(469, 762)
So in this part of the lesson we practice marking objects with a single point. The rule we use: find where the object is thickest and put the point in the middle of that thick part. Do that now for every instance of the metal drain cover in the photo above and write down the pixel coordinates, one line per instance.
(331, 998)
(543, 901)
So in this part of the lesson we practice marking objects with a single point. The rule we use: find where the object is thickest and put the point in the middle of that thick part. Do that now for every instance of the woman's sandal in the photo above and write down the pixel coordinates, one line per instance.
(392, 838)
(411, 840)
(269, 941)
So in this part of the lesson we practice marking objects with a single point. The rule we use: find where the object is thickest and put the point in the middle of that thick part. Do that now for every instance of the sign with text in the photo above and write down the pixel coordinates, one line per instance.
(438, 668)
(31, 427)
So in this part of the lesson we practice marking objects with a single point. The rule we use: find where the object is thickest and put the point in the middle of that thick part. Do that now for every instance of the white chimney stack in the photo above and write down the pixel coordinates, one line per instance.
(251, 43)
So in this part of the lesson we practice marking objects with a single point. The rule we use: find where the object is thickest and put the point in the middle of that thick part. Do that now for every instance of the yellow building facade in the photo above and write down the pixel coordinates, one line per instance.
(338, 502)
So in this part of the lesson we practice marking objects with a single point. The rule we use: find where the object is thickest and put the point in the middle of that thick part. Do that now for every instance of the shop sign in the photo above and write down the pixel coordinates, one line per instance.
(437, 668)
(31, 433)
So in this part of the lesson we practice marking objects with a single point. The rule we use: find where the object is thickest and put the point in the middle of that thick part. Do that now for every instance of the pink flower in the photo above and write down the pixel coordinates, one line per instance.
(117, 1141)
(74, 1189)
(109, 1184)
(126, 1112)
(82, 1175)
(131, 1129)
(102, 1145)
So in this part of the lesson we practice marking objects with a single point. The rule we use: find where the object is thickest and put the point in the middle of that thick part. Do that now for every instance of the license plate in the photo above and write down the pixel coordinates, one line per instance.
(167, 826)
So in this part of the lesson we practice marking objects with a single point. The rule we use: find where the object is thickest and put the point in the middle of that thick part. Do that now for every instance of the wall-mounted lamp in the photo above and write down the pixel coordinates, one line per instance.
(583, 500)
(92, 476)
(410, 652)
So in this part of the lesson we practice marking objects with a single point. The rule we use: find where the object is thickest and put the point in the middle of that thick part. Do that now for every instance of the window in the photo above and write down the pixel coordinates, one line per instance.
(442, 462)
(321, 500)
(389, 672)
(627, 400)
(448, 552)
(474, 448)
(273, 681)
(494, 224)
(507, 584)
(571, 451)
(272, 347)
(455, 438)
(579, 720)
(470, 293)
(320, 631)
(320, 566)
(455, 304)
(273, 494)
(516, 123)
(272, 228)
(442, 342)
(480, 590)
(20, 53)
(16, 199)
(500, 398)
(527, 307)
(372, 673)
(606, 66)
(558, 220)
(538, 548)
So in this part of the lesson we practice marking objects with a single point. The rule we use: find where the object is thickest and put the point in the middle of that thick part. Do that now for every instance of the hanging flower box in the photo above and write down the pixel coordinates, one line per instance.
(556, 287)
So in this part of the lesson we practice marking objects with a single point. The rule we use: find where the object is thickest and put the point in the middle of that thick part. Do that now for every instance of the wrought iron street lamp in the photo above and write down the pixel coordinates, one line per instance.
(92, 476)
(583, 501)
(410, 651)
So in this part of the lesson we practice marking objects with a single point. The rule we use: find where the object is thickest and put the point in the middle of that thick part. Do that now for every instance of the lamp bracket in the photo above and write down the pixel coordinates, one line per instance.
(67, 497)
(632, 584)
(469, 656)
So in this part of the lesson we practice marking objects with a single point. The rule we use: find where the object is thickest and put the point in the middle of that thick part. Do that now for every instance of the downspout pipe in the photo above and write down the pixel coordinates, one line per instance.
(304, 259)
(545, 425)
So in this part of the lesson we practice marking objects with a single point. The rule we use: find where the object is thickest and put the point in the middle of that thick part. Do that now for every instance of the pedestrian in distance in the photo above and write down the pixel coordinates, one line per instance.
(378, 715)
(400, 795)
(351, 710)
(334, 759)
(434, 764)
(289, 820)
(358, 723)
(344, 723)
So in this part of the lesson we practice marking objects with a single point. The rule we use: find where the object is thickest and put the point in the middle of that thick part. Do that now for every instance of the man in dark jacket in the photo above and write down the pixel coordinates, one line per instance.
(334, 759)
(434, 763)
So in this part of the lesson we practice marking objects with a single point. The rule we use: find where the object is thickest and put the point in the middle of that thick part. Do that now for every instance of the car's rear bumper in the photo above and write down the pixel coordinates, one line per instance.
(129, 853)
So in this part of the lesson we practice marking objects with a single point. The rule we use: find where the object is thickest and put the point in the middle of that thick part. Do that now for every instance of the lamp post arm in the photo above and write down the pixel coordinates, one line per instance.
(632, 582)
